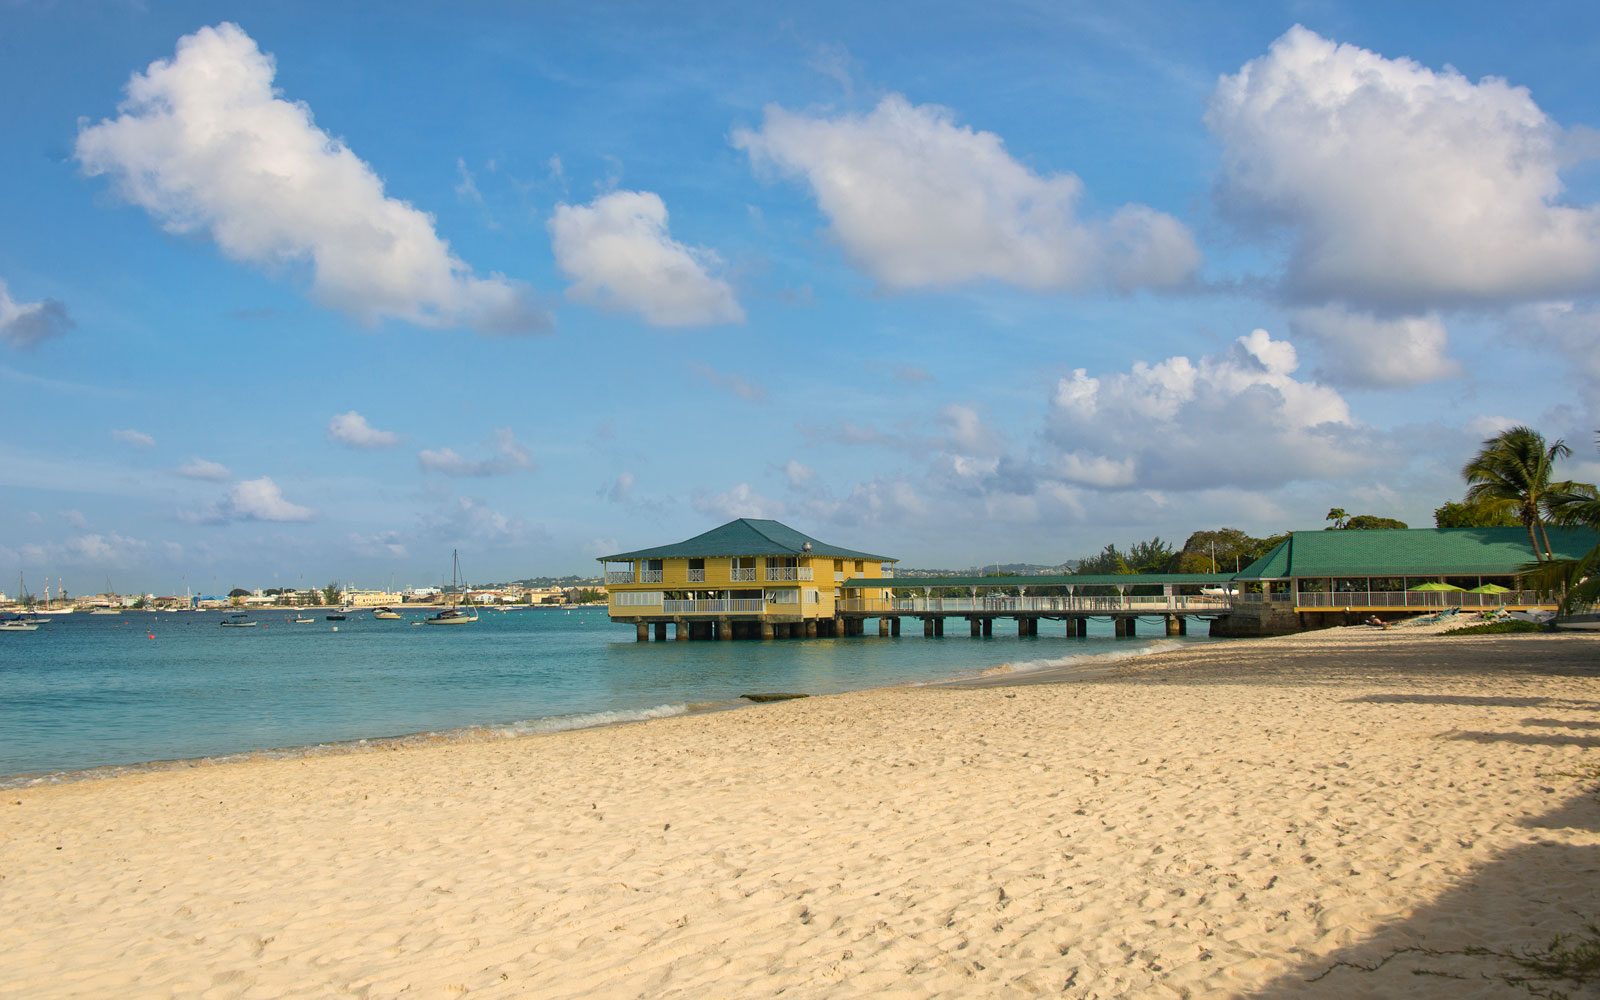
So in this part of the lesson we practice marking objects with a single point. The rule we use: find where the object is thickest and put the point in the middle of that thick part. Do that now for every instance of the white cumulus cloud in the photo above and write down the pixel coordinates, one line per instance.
(1239, 419)
(26, 324)
(1361, 349)
(917, 200)
(262, 500)
(619, 255)
(1401, 187)
(352, 429)
(205, 143)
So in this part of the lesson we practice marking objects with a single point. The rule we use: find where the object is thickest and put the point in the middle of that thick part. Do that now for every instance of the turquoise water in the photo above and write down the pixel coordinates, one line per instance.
(98, 691)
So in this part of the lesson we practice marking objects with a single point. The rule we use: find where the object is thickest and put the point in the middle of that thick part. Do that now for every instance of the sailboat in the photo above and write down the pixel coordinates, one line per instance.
(31, 615)
(453, 615)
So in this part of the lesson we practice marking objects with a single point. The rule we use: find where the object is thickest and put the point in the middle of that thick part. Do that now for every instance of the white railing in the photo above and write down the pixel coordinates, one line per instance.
(777, 574)
(838, 577)
(738, 575)
(650, 575)
(719, 606)
(996, 604)
(1421, 599)
(697, 575)
(619, 576)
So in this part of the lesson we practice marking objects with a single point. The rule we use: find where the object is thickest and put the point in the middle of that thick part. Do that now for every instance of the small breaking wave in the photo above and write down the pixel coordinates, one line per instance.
(1079, 660)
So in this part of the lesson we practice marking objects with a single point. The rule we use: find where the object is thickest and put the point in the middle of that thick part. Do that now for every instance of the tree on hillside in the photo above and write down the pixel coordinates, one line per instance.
(1105, 563)
(1454, 514)
(1372, 522)
(1512, 474)
(330, 593)
(238, 592)
(1154, 556)
(1223, 550)
(1337, 516)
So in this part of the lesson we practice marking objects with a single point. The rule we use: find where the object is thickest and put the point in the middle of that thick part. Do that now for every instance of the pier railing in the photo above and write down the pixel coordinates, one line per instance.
(1421, 599)
(1152, 604)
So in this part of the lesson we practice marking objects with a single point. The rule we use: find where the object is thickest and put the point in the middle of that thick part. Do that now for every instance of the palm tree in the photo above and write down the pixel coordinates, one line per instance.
(1512, 473)
(1337, 516)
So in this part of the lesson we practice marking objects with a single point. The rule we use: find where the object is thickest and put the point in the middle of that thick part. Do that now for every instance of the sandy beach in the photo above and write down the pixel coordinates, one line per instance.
(1340, 814)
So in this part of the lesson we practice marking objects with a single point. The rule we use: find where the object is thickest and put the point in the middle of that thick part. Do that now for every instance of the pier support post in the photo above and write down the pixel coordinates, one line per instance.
(641, 632)
(894, 626)
(1083, 628)
(724, 629)
(1022, 627)
(938, 626)
(811, 628)
(680, 630)
(1174, 622)
(661, 631)
(883, 627)
(977, 627)
(988, 626)
(766, 630)
(1183, 624)
(927, 628)
(1133, 628)
(1121, 626)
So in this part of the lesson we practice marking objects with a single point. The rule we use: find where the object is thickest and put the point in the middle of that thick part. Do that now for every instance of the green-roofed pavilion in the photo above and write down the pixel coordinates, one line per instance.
(747, 536)
(1413, 552)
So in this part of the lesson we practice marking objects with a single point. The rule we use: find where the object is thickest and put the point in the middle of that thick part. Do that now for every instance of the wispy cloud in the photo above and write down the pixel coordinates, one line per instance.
(139, 439)
(739, 385)
(199, 468)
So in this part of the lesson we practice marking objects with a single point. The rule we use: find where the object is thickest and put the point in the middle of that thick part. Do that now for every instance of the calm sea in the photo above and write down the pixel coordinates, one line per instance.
(100, 691)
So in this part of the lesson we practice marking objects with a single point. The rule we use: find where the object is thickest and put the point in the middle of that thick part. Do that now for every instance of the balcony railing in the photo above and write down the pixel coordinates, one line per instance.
(738, 575)
(720, 606)
(776, 574)
(650, 575)
(619, 576)
(697, 575)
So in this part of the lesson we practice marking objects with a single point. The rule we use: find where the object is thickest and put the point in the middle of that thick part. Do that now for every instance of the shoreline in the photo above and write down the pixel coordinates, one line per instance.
(543, 725)
(1263, 818)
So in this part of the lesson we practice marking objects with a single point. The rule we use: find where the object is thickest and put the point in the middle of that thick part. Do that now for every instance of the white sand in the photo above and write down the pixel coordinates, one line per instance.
(1230, 821)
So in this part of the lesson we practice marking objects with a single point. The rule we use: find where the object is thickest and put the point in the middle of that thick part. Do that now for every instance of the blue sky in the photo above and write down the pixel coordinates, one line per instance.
(298, 292)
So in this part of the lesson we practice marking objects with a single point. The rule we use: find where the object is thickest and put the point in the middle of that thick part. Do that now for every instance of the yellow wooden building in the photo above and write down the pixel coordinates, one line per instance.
(746, 579)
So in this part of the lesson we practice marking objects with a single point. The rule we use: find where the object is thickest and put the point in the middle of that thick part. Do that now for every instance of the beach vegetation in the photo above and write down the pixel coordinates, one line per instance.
(1497, 628)
(1511, 474)
(1568, 504)
(1372, 522)
(1223, 550)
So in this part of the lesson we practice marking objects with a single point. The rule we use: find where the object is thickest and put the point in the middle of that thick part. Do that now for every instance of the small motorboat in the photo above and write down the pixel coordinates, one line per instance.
(17, 625)
(238, 621)
(388, 614)
(334, 618)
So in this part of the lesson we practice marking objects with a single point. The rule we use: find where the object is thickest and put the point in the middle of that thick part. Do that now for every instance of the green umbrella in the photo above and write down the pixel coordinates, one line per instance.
(1490, 588)
(1432, 586)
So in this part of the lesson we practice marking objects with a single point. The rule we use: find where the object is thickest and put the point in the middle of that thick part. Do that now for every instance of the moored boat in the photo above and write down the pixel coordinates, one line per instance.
(387, 614)
(453, 615)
